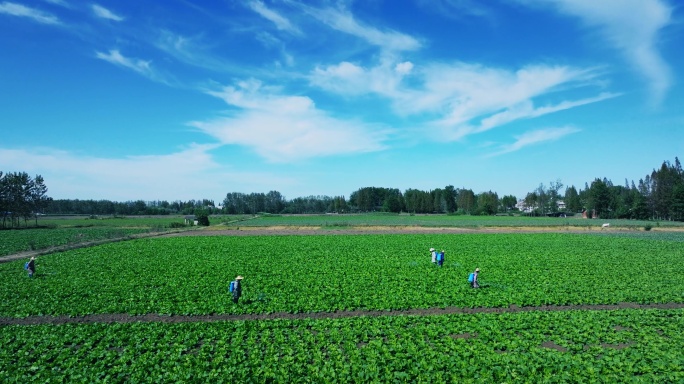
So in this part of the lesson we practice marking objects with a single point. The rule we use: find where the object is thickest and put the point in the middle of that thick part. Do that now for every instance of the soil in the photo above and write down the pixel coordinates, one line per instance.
(125, 318)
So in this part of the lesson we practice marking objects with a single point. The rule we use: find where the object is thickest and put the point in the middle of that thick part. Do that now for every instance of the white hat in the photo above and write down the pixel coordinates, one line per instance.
(432, 249)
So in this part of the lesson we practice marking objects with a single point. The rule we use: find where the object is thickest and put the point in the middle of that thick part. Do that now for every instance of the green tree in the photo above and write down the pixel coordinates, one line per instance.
(449, 193)
(467, 201)
(508, 203)
(572, 200)
(487, 203)
(599, 196)
(678, 202)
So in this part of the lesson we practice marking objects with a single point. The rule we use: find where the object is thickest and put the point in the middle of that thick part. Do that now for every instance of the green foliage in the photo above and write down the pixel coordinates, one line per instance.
(20, 240)
(189, 275)
(581, 346)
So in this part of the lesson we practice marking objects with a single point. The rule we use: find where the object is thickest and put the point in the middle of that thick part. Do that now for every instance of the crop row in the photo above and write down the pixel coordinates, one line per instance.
(190, 275)
(20, 240)
(578, 346)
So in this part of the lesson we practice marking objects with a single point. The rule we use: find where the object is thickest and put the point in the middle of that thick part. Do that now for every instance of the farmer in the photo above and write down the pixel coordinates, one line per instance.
(473, 278)
(236, 288)
(440, 258)
(31, 267)
(434, 255)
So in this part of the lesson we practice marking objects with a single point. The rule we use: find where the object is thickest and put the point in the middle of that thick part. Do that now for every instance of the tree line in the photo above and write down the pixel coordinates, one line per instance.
(657, 196)
(137, 207)
(21, 197)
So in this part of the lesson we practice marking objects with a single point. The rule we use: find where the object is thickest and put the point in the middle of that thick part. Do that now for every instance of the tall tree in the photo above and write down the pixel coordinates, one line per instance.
(599, 198)
(572, 200)
(508, 202)
(487, 203)
(38, 196)
(449, 194)
(467, 202)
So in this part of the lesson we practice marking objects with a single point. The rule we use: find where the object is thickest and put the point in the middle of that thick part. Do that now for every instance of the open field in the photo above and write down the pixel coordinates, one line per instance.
(189, 275)
(63, 232)
(609, 308)
(581, 346)
(405, 220)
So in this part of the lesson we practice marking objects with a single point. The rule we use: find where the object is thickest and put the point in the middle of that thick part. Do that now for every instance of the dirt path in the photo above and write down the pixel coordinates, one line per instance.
(47, 251)
(125, 318)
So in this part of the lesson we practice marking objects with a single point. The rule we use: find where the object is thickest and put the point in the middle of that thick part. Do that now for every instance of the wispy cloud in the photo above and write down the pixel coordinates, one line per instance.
(632, 27)
(536, 137)
(460, 99)
(115, 57)
(281, 22)
(142, 67)
(344, 21)
(352, 79)
(105, 13)
(19, 10)
(283, 128)
(173, 176)
(61, 3)
(457, 9)
(527, 110)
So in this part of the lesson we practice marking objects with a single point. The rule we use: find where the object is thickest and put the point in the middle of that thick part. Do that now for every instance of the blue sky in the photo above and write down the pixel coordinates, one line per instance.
(179, 100)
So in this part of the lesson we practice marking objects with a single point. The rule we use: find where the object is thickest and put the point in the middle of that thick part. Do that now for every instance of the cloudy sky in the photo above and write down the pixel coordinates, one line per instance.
(172, 100)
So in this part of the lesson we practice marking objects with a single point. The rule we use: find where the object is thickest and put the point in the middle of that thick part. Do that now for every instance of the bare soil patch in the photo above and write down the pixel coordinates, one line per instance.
(126, 318)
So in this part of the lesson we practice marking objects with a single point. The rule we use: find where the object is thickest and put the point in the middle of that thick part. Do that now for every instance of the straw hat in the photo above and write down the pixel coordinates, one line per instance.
(239, 278)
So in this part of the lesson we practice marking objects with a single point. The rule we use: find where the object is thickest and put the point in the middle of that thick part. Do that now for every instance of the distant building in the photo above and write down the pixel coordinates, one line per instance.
(560, 204)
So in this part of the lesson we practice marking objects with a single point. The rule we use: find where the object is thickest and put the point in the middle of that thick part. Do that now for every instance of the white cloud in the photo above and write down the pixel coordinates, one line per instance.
(460, 99)
(631, 26)
(351, 79)
(527, 110)
(191, 173)
(31, 13)
(457, 9)
(105, 13)
(280, 21)
(61, 3)
(536, 137)
(141, 67)
(284, 128)
(344, 21)
(190, 51)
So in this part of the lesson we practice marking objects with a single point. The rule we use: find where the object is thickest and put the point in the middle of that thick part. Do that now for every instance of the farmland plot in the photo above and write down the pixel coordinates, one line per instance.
(577, 346)
(295, 274)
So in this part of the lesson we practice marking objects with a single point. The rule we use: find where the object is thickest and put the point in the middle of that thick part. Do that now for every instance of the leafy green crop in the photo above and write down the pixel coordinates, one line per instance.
(578, 346)
(190, 275)
(19, 240)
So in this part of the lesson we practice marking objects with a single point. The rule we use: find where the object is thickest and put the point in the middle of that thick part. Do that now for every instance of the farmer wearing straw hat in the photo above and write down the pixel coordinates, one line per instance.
(434, 255)
(31, 266)
(236, 288)
(473, 278)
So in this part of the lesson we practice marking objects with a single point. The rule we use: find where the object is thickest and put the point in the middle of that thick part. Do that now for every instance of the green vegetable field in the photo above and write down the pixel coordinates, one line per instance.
(320, 299)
